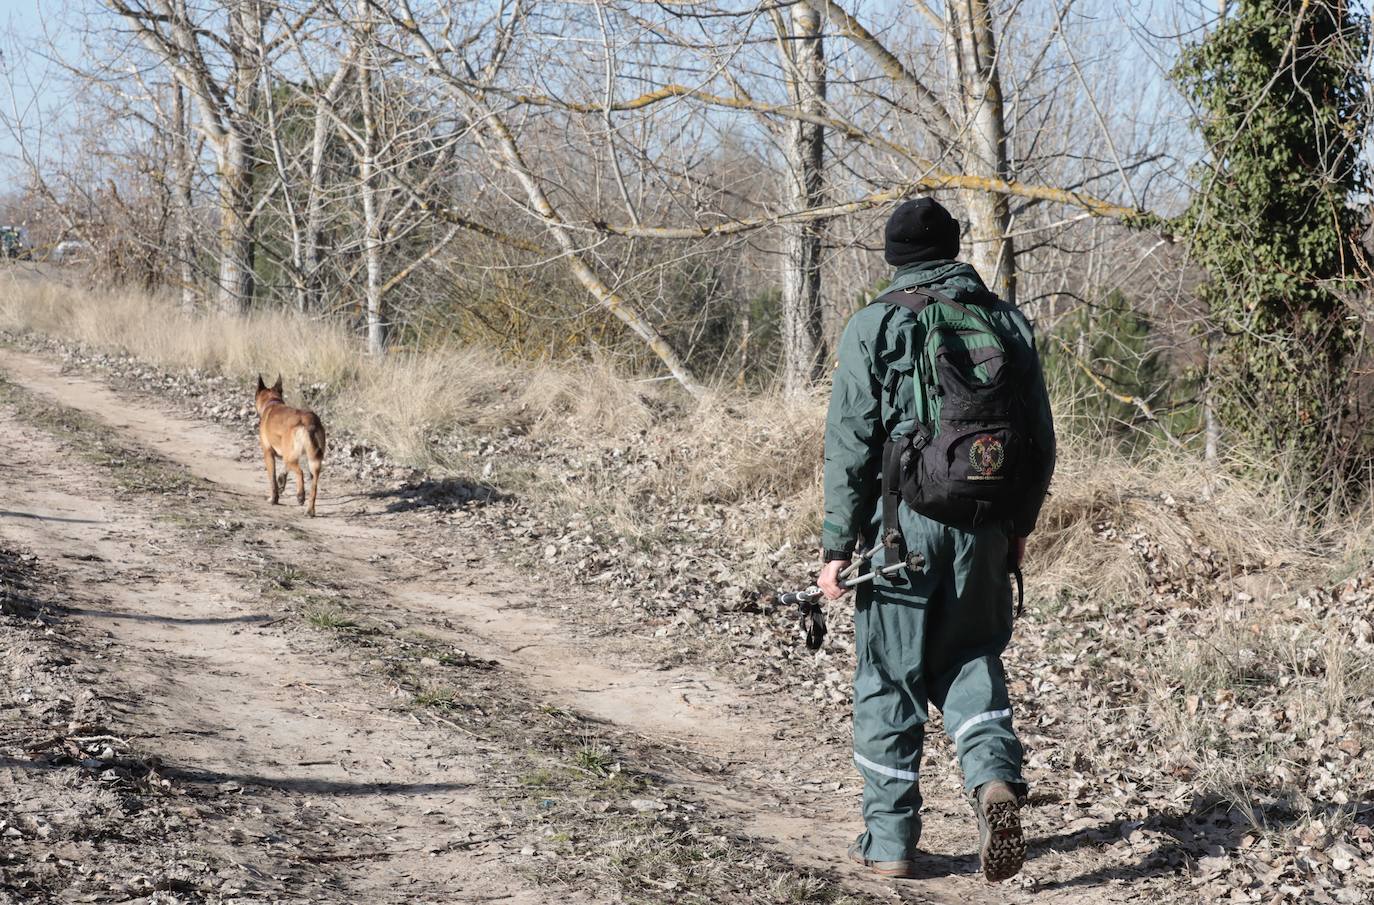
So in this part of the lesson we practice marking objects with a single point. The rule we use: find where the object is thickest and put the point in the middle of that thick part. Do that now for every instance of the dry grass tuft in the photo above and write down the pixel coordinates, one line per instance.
(1109, 517)
(590, 396)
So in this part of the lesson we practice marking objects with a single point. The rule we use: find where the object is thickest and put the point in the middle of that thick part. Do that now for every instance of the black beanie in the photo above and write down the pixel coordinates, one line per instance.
(920, 230)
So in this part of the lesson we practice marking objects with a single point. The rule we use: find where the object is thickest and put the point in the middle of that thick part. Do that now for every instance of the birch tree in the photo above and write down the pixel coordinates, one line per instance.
(802, 327)
(973, 55)
(368, 181)
(184, 152)
(217, 59)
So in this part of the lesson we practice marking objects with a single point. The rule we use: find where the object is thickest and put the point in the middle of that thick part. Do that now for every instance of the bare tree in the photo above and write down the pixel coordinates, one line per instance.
(225, 97)
(503, 146)
(973, 53)
(368, 182)
(802, 324)
(183, 177)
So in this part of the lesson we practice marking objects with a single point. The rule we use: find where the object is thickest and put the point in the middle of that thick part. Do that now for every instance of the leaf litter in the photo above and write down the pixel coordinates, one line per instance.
(1200, 737)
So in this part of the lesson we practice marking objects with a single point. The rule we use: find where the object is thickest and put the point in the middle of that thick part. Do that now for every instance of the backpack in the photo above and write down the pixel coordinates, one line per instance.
(971, 461)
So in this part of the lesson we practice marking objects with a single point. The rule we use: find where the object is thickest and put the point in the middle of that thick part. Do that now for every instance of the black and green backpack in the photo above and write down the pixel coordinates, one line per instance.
(969, 460)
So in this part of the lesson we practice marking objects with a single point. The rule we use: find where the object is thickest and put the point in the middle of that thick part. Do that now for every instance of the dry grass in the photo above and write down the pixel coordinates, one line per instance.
(1109, 514)
(754, 454)
(1119, 531)
(399, 400)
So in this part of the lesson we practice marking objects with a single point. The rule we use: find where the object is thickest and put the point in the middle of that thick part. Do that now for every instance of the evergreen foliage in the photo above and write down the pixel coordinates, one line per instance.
(1119, 345)
(1280, 93)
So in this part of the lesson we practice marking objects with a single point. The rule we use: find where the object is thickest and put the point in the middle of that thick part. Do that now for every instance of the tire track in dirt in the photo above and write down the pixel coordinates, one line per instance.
(348, 803)
(680, 707)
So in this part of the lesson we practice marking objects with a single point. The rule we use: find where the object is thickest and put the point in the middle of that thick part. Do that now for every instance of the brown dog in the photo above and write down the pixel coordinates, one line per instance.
(289, 434)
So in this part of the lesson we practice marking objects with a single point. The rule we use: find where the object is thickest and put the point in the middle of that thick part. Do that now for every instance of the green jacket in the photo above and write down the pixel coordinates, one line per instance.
(872, 399)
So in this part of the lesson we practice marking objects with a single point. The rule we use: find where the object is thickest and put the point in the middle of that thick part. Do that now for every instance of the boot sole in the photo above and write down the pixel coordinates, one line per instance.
(896, 870)
(1005, 850)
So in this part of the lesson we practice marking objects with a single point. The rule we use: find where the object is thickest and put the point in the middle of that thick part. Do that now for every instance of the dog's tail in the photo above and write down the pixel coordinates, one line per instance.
(317, 444)
(310, 441)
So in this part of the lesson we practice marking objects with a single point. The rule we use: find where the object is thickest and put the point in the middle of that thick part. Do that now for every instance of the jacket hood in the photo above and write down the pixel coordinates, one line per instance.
(954, 278)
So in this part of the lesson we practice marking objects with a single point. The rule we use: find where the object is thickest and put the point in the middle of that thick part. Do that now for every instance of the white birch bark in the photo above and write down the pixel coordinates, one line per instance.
(184, 215)
(802, 323)
(973, 54)
(367, 175)
(235, 231)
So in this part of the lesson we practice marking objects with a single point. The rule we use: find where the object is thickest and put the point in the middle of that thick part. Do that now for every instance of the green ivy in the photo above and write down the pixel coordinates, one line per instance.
(1280, 104)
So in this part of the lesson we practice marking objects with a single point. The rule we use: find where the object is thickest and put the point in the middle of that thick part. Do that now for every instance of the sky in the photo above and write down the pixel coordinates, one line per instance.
(31, 88)
(34, 89)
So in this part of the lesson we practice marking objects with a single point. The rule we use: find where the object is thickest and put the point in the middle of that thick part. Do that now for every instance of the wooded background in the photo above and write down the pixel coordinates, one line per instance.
(695, 189)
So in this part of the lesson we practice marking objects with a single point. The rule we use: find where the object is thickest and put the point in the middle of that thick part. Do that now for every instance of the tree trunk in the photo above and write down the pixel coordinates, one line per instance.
(181, 200)
(372, 230)
(235, 230)
(236, 159)
(312, 297)
(974, 56)
(802, 328)
(745, 328)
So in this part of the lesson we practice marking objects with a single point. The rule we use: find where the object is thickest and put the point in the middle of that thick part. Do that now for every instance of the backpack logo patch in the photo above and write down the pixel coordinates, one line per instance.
(986, 455)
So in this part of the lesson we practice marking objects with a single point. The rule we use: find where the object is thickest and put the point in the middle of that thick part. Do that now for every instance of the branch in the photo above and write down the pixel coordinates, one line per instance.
(668, 92)
(1095, 207)
(851, 28)
(934, 179)
(404, 273)
(1141, 405)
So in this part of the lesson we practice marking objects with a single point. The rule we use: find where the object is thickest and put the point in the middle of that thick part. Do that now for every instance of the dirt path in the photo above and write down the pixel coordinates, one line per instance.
(355, 803)
(228, 696)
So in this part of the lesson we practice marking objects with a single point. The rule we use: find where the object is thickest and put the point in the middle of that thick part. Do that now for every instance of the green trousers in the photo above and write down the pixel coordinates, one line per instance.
(936, 638)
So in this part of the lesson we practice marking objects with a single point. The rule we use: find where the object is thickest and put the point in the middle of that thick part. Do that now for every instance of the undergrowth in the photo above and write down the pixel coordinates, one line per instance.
(1120, 529)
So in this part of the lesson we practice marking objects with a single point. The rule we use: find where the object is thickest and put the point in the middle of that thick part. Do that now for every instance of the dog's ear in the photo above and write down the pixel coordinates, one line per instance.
(261, 386)
(277, 386)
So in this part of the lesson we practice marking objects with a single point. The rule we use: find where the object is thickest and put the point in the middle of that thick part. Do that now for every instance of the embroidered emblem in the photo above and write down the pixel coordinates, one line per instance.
(986, 455)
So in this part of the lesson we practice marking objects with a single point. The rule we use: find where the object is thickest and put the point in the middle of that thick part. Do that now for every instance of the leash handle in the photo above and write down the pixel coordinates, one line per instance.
(1020, 590)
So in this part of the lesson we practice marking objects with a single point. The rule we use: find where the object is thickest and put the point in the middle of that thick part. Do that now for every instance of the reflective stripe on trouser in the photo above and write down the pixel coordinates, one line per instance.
(937, 639)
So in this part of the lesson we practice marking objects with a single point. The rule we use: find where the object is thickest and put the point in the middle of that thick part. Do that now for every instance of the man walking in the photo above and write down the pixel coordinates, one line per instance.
(939, 445)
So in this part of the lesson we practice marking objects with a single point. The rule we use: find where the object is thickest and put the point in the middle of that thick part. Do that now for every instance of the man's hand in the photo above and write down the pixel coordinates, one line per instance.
(829, 580)
(1018, 551)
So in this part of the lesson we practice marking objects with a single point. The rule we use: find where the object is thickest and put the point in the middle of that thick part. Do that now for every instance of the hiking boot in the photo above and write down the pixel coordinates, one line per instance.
(899, 870)
(1001, 845)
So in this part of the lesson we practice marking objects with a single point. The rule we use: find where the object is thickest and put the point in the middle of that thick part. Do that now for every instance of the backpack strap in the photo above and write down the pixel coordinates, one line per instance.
(892, 498)
(915, 300)
(896, 453)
